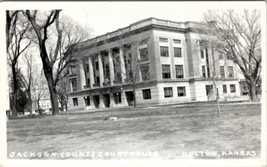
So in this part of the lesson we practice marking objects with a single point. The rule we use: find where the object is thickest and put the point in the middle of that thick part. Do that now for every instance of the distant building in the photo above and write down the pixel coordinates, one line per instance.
(172, 66)
(43, 100)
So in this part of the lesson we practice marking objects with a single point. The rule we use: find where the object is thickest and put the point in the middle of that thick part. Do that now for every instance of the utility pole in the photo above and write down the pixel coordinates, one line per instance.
(214, 82)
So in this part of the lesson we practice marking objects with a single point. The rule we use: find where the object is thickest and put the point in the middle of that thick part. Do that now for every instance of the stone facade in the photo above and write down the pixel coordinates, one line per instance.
(163, 61)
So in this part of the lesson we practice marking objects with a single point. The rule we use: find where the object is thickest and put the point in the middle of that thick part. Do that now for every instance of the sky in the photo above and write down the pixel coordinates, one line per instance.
(105, 17)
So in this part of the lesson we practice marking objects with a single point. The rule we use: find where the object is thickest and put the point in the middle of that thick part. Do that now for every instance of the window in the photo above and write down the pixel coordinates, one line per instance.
(177, 41)
(224, 89)
(72, 70)
(168, 92)
(230, 71)
(143, 54)
(222, 71)
(128, 66)
(74, 85)
(209, 89)
(164, 51)
(232, 88)
(203, 71)
(181, 91)
(117, 68)
(163, 39)
(202, 54)
(177, 52)
(179, 71)
(144, 72)
(97, 80)
(117, 97)
(166, 73)
(106, 71)
(87, 100)
(220, 57)
(96, 65)
(88, 81)
(207, 53)
(146, 94)
(87, 67)
(75, 101)
(118, 77)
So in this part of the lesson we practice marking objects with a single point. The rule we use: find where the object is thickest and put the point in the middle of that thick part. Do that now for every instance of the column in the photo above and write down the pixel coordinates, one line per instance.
(101, 72)
(111, 66)
(82, 75)
(91, 72)
(123, 99)
(92, 104)
(101, 101)
(122, 65)
(111, 99)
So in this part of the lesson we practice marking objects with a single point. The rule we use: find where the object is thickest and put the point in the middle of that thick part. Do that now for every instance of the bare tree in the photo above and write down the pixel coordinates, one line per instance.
(238, 36)
(16, 30)
(28, 83)
(41, 25)
(21, 95)
(72, 34)
(56, 52)
(39, 88)
(11, 19)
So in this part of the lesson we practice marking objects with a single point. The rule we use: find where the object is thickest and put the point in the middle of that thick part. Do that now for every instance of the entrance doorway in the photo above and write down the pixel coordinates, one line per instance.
(130, 98)
(210, 92)
(106, 99)
(96, 101)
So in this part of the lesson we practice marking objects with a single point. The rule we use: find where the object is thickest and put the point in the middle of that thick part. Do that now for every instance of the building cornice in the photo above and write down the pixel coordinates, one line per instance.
(136, 28)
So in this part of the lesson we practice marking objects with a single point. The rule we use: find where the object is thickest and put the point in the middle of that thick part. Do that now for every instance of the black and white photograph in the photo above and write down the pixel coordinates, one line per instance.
(135, 83)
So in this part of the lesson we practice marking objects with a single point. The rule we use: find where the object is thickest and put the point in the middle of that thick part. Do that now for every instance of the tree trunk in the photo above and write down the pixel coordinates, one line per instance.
(38, 104)
(134, 97)
(14, 104)
(252, 89)
(15, 90)
(48, 71)
(66, 104)
(53, 94)
(29, 100)
(216, 91)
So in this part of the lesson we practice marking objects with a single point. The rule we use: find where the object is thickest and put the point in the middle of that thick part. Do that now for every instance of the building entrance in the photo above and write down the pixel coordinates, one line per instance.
(210, 92)
(106, 100)
(130, 98)
(96, 101)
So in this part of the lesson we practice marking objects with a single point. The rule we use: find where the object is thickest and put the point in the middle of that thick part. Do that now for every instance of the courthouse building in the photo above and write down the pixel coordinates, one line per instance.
(163, 61)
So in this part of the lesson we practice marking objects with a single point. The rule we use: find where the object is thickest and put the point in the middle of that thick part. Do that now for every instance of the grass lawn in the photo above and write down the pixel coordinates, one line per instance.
(167, 132)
